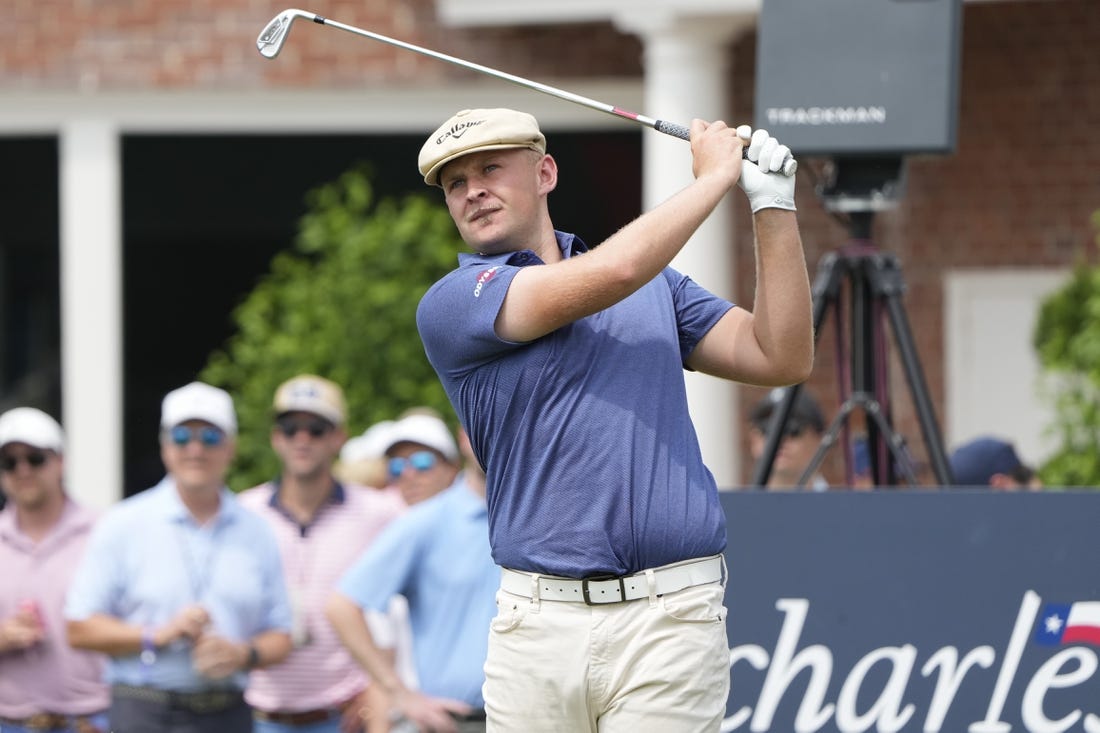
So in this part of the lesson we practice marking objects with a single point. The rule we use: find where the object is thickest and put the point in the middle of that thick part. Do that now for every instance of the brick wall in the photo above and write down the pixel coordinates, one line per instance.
(186, 44)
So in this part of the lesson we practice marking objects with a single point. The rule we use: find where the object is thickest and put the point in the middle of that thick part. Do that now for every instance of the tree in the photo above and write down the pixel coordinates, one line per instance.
(1067, 339)
(341, 303)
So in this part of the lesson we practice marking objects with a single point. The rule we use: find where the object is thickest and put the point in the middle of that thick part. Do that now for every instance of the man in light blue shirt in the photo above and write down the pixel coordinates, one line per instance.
(436, 555)
(181, 586)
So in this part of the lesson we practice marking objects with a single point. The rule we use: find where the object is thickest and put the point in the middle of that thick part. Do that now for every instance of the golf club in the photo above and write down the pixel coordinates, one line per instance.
(273, 38)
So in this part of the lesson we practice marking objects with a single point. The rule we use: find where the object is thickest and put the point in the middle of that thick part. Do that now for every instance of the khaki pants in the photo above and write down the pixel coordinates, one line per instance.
(646, 666)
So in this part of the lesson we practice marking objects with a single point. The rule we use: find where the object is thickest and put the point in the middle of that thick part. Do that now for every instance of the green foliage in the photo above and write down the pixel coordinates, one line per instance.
(1067, 339)
(340, 303)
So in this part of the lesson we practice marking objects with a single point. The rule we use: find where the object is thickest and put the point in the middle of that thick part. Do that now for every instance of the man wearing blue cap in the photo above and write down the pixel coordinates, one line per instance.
(992, 462)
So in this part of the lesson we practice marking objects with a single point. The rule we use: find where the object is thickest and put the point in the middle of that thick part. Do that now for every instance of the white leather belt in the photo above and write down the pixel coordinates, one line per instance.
(594, 591)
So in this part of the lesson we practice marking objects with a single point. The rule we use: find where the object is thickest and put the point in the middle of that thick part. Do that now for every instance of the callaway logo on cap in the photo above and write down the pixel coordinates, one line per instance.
(458, 130)
(472, 130)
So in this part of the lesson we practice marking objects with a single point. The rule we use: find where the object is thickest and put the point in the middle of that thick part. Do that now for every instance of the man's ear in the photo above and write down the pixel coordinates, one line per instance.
(548, 174)
(1003, 482)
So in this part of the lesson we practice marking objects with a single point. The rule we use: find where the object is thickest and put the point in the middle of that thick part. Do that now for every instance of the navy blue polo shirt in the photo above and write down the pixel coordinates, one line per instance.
(592, 461)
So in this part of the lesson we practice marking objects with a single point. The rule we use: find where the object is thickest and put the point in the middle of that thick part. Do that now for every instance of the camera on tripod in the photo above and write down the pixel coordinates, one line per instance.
(872, 82)
(868, 183)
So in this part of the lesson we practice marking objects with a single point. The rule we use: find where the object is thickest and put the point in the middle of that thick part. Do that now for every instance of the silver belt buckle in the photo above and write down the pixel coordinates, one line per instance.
(585, 592)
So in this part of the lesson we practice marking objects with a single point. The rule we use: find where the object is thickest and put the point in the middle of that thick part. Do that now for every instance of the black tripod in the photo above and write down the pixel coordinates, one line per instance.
(875, 285)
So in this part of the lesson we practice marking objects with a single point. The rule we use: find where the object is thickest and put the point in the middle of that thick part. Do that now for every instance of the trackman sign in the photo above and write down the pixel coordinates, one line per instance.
(869, 115)
(888, 704)
(939, 611)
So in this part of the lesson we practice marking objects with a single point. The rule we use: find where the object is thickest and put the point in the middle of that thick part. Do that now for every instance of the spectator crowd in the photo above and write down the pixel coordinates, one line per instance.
(292, 606)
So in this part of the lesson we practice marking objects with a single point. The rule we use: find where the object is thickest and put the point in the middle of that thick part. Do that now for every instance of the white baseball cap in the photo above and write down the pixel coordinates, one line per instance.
(33, 427)
(199, 401)
(370, 445)
(423, 430)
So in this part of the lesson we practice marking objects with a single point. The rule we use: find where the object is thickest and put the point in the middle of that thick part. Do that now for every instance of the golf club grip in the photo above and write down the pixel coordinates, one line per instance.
(671, 128)
(790, 166)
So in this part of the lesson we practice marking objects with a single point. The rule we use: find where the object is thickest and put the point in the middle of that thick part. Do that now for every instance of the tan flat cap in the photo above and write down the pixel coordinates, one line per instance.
(472, 130)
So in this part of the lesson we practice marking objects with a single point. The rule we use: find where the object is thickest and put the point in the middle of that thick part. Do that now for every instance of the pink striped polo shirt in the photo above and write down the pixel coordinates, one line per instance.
(319, 673)
(51, 676)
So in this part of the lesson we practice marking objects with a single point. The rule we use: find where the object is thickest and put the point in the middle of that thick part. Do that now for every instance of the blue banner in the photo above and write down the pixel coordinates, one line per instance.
(922, 611)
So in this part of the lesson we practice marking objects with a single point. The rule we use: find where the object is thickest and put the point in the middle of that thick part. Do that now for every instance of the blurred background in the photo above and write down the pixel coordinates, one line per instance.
(153, 164)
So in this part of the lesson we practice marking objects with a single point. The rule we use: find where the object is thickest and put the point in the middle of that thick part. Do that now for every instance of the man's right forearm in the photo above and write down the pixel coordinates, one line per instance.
(541, 300)
(8, 644)
(105, 634)
(351, 626)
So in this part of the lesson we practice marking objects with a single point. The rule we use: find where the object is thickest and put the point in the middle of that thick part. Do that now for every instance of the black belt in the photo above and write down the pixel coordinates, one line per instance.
(300, 718)
(303, 717)
(203, 701)
(476, 714)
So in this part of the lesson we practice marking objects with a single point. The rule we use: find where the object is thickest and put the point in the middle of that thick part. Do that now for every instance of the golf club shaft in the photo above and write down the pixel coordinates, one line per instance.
(668, 128)
(274, 35)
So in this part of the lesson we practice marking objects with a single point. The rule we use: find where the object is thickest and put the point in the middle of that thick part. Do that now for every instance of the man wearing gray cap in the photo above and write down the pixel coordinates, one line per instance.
(44, 683)
(182, 586)
(565, 364)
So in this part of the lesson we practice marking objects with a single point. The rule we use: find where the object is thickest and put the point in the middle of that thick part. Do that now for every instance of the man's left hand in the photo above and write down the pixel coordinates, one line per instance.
(216, 658)
(353, 718)
(762, 178)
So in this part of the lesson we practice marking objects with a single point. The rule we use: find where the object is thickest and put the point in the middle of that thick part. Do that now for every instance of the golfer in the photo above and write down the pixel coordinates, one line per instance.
(565, 365)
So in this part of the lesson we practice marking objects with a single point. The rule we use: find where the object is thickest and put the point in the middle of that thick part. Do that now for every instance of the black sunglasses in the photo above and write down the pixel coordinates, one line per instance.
(289, 427)
(34, 459)
(793, 430)
(790, 430)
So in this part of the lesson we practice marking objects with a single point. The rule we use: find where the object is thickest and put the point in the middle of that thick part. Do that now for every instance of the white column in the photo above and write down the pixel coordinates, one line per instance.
(687, 76)
(91, 314)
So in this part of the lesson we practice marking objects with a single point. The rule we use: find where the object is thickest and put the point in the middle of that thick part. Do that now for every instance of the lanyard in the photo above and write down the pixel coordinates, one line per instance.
(198, 561)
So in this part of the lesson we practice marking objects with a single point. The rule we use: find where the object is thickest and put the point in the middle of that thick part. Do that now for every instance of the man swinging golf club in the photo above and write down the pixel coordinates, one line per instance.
(565, 365)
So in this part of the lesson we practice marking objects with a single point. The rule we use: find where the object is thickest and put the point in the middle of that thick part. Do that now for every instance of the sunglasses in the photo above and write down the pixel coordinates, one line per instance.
(421, 460)
(791, 430)
(290, 427)
(34, 459)
(181, 435)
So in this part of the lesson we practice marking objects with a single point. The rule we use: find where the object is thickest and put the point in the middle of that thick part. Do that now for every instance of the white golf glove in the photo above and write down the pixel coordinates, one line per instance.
(762, 178)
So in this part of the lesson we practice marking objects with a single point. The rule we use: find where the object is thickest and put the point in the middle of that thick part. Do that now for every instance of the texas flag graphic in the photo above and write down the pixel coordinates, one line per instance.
(1073, 623)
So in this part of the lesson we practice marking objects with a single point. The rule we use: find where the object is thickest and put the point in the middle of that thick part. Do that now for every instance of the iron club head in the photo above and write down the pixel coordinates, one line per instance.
(273, 36)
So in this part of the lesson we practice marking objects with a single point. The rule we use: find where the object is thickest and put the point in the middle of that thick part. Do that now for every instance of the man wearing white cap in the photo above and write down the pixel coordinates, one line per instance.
(436, 556)
(363, 458)
(565, 364)
(322, 526)
(44, 683)
(182, 586)
(421, 456)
